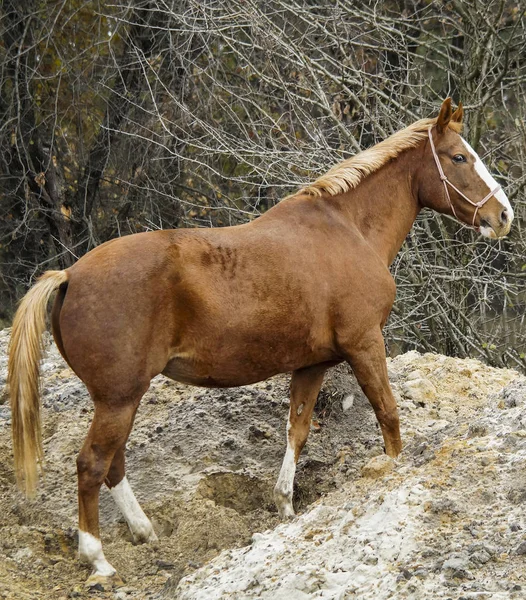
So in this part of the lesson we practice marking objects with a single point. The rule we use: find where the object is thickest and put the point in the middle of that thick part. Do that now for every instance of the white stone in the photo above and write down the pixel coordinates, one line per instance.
(378, 466)
(348, 402)
(419, 390)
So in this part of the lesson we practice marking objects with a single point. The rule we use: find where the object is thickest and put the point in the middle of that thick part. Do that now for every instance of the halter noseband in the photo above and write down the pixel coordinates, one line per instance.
(446, 182)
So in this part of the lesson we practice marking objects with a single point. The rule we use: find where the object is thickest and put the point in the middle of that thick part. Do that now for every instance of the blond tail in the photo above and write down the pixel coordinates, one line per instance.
(25, 353)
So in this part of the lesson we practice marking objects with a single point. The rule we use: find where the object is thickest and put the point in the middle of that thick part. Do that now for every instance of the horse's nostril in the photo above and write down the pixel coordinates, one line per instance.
(504, 216)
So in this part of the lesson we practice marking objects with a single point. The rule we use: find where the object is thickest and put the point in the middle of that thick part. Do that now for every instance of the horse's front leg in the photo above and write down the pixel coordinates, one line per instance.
(368, 361)
(304, 388)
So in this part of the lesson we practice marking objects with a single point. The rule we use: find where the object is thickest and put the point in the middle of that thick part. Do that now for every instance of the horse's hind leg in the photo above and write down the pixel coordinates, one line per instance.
(117, 482)
(108, 433)
(304, 388)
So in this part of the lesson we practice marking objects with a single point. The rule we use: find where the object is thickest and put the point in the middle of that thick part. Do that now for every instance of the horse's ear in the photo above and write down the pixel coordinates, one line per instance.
(458, 115)
(444, 116)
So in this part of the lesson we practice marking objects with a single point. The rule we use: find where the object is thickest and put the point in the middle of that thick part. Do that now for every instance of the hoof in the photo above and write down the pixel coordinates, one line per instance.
(145, 538)
(284, 506)
(103, 583)
(286, 512)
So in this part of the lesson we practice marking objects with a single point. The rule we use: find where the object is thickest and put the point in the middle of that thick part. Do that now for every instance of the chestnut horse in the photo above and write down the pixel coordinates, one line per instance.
(300, 289)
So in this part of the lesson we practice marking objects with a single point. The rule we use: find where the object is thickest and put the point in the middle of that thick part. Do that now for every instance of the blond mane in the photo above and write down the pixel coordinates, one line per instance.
(347, 175)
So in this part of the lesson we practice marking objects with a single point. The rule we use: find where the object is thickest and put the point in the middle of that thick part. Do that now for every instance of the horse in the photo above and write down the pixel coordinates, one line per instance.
(300, 289)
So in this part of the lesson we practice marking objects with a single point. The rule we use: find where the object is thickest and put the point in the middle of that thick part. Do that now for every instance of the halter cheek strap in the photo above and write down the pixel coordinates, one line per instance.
(446, 182)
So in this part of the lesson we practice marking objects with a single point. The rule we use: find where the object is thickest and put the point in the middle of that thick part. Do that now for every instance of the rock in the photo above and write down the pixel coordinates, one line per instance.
(378, 466)
(443, 506)
(348, 402)
(517, 495)
(521, 549)
(414, 375)
(477, 430)
(419, 449)
(480, 558)
(481, 548)
(375, 450)
(22, 554)
(456, 567)
(170, 586)
(257, 432)
(164, 564)
(419, 390)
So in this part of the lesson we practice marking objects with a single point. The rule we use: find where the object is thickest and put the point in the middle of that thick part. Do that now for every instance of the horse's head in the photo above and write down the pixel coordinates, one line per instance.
(454, 180)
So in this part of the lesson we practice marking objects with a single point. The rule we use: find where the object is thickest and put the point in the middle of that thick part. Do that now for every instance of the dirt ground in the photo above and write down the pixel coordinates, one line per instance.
(446, 520)
(202, 463)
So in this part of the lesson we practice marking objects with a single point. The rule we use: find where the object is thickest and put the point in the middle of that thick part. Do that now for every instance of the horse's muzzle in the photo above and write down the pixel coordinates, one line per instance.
(497, 227)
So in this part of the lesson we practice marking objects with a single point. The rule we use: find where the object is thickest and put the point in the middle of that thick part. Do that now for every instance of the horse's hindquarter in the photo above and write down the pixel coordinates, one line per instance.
(116, 316)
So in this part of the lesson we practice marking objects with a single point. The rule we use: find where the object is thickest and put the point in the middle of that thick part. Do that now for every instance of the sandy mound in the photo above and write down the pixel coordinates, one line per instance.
(444, 521)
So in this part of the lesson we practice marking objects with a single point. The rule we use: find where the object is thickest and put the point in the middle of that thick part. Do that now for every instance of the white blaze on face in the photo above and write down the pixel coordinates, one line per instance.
(485, 175)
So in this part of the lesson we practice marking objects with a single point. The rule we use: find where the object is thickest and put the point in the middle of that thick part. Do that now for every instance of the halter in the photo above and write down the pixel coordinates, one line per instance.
(446, 182)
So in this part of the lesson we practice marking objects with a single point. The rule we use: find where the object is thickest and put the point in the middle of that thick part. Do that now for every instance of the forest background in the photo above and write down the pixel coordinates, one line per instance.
(130, 115)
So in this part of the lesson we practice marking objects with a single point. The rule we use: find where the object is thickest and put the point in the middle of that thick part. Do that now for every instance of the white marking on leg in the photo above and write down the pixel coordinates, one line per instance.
(285, 484)
(139, 524)
(286, 476)
(488, 179)
(90, 550)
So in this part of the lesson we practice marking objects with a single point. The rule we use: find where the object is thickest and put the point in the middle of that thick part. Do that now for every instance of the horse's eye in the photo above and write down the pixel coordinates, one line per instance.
(459, 158)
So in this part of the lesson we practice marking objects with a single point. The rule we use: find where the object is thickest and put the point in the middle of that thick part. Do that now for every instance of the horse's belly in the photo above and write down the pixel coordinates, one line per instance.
(234, 338)
(186, 372)
(225, 368)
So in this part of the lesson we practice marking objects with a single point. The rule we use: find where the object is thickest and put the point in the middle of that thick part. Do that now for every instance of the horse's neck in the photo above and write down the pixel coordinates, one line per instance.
(384, 205)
